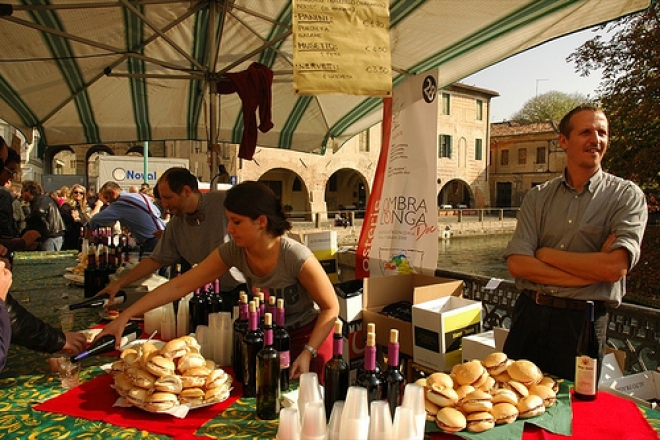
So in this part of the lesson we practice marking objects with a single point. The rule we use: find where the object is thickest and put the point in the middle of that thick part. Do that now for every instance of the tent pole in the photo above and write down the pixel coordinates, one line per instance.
(213, 96)
(145, 155)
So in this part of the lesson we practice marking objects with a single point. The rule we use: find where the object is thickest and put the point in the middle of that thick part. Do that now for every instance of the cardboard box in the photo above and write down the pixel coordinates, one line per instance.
(324, 246)
(439, 327)
(383, 291)
(642, 388)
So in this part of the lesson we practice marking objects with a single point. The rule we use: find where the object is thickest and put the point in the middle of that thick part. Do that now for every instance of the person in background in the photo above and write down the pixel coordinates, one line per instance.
(576, 238)
(198, 225)
(8, 225)
(279, 265)
(17, 206)
(134, 189)
(76, 214)
(136, 212)
(44, 217)
(5, 325)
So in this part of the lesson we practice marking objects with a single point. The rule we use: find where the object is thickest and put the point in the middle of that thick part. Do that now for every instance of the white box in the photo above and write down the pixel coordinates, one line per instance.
(438, 327)
(482, 344)
(349, 296)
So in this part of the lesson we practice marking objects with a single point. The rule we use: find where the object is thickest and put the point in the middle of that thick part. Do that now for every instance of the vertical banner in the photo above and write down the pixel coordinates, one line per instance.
(400, 230)
(342, 46)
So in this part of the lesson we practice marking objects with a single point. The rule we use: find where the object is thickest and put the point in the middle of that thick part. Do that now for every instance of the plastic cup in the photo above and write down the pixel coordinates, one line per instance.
(54, 361)
(313, 425)
(66, 319)
(335, 420)
(69, 374)
(308, 391)
(380, 425)
(289, 427)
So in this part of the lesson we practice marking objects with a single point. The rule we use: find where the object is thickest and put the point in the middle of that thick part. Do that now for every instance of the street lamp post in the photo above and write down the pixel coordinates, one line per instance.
(537, 84)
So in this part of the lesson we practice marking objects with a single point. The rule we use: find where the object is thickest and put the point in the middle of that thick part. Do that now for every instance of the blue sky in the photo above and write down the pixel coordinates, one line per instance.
(542, 69)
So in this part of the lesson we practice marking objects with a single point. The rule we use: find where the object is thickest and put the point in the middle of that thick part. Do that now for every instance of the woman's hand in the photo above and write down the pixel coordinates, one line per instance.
(114, 328)
(301, 364)
(5, 281)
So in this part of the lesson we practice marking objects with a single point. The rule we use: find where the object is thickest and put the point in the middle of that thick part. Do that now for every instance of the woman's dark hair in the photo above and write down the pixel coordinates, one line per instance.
(253, 199)
(176, 179)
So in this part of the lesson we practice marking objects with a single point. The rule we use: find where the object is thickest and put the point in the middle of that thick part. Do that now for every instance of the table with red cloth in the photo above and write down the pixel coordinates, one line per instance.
(33, 405)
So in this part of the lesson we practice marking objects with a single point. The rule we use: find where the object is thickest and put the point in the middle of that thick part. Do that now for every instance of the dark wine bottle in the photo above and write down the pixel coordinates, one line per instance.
(93, 279)
(106, 343)
(268, 375)
(197, 308)
(282, 343)
(100, 301)
(336, 372)
(213, 301)
(240, 329)
(587, 360)
(395, 382)
(371, 379)
(252, 343)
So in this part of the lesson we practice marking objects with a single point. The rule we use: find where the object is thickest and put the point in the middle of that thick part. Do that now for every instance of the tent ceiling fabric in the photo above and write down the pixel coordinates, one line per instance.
(101, 71)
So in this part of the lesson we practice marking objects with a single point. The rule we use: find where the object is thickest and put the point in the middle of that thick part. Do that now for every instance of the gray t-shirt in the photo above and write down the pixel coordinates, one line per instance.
(282, 281)
(196, 242)
(554, 215)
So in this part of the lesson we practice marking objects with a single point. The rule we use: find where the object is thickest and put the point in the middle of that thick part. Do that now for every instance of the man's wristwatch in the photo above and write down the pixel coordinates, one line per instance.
(312, 350)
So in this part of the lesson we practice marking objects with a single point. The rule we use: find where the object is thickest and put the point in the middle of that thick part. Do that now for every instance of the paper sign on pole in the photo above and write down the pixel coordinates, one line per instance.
(342, 46)
(400, 231)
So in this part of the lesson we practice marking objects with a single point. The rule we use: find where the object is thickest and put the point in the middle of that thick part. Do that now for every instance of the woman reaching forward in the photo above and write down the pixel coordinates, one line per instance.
(278, 265)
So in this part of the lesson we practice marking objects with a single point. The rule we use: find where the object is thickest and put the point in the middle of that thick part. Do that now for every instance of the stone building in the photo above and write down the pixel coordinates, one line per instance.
(522, 156)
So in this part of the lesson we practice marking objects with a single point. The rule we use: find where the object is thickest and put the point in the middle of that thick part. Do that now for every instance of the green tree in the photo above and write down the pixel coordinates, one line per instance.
(550, 106)
(629, 92)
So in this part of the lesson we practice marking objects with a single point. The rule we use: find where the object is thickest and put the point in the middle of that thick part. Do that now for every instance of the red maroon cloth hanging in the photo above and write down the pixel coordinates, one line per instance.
(254, 87)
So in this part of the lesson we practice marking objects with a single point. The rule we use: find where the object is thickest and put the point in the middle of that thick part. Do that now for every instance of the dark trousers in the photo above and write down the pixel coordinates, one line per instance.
(549, 336)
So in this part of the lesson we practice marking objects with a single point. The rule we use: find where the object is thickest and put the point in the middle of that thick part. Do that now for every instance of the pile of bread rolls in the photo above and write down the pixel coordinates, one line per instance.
(478, 395)
(158, 380)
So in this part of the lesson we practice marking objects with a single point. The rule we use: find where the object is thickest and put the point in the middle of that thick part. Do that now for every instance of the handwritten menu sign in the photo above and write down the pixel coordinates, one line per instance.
(342, 46)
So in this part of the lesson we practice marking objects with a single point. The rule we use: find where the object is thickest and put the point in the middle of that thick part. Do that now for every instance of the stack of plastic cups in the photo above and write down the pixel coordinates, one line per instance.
(183, 317)
(289, 426)
(355, 415)
(380, 424)
(313, 425)
(152, 320)
(404, 424)
(308, 391)
(335, 420)
(413, 398)
(167, 322)
(216, 339)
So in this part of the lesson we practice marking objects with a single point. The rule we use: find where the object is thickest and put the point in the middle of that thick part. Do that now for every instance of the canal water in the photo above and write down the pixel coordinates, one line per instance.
(475, 255)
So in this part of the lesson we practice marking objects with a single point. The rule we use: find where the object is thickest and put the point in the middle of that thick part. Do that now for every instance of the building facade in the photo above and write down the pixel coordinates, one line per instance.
(522, 156)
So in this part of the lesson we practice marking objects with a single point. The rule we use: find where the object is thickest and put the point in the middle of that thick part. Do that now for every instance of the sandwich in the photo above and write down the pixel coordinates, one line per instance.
(160, 401)
(504, 413)
(530, 406)
(450, 420)
(480, 421)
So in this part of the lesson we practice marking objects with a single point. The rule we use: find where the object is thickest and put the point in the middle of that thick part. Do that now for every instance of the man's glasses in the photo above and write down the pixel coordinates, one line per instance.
(78, 192)
(11, 172)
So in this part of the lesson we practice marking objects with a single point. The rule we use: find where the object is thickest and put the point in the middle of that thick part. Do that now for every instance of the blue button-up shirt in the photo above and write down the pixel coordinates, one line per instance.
(142, 220)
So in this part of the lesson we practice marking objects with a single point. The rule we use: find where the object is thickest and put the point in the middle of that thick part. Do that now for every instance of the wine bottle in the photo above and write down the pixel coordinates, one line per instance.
(106, 343)
(336, 372)
(213, 301)
(282, 343)
(240, 329)
(252, 343)
(272, 308)
(371, 379)
(587, 360)
(268, 375)
(100, 301)
(395, 382)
